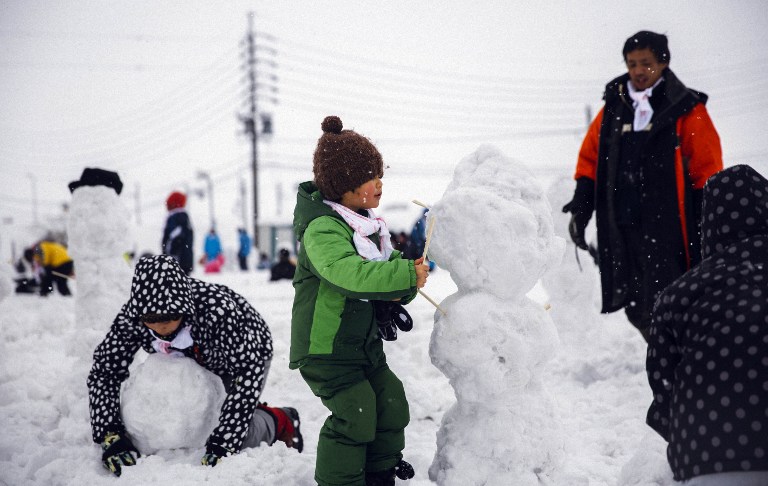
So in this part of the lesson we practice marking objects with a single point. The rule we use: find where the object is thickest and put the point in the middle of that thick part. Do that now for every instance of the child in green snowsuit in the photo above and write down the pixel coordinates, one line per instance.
(345, 265)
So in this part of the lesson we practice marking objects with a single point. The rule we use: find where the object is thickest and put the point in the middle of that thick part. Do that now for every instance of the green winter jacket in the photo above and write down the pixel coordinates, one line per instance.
(333, 317)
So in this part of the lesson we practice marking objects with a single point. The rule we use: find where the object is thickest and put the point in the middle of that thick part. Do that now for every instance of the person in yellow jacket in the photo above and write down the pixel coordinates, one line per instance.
(55, 265)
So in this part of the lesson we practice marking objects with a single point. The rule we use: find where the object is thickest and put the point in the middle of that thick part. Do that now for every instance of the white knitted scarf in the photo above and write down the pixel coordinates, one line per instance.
(363, 227)
(641, 102)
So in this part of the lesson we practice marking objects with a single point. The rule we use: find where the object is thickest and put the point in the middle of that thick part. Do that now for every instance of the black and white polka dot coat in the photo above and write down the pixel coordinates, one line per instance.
(707, 357)
(230, 339)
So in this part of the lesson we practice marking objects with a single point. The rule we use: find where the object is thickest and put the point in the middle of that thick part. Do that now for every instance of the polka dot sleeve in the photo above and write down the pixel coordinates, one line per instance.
(111, 360)
(662, 358)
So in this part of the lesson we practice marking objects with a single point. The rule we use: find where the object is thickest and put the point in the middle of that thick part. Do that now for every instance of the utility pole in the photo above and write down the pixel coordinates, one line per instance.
(251, 128)
(252, 117)
(243, 204)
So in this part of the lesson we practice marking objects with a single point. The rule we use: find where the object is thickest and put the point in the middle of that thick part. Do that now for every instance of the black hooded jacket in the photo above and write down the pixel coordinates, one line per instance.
(708, 353)
(230, 339)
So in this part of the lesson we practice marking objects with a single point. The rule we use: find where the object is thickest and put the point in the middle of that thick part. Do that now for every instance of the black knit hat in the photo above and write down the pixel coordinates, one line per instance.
(98, 177)
(344, 160)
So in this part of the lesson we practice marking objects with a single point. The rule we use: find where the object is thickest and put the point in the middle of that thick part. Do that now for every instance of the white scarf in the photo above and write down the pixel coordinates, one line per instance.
(642, 105)
(183, 340)
(363, 227)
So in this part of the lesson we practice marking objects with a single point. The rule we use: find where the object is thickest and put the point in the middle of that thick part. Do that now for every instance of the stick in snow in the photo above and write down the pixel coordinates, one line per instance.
(437, 306)
(70, 277)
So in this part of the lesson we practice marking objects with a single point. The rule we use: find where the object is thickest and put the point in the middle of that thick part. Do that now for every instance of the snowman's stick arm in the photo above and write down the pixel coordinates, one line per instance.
(58, 274)
(430, 228)
(419, 203)
(437, 306)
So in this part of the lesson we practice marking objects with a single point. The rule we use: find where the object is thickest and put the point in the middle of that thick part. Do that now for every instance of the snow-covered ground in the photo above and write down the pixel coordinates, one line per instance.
(597, 380)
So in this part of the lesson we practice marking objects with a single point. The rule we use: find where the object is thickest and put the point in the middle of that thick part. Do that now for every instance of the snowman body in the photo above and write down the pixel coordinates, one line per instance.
(99, 232)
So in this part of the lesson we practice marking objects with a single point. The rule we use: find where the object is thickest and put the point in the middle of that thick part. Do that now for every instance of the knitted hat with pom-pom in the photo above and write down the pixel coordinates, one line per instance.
(176, 200)
(344, 160)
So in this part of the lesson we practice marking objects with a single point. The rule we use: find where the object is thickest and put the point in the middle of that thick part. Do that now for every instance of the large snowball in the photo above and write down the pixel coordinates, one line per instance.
(171, 403)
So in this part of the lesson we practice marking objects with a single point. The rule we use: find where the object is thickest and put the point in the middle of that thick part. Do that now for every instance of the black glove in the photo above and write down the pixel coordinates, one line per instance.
(118, 452)
(213, 452)
(576, 228)
(391, 316)
(580, 207)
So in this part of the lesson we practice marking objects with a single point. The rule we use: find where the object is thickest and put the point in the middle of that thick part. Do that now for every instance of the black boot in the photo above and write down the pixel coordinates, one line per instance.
(380, 478)
(403, 471)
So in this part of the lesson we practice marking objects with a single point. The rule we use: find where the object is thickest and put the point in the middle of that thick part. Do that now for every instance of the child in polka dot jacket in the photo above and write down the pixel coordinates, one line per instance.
(708, 353)
(171, 313)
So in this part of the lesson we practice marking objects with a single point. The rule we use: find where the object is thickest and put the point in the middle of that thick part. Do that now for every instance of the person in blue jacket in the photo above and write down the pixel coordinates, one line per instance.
(245, 248)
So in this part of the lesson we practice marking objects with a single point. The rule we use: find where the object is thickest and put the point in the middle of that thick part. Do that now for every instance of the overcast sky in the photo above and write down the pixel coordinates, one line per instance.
(152, 89)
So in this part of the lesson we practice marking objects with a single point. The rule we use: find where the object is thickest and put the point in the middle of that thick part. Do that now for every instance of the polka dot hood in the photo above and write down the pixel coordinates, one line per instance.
(707, 360)
(735, 207)
(159, 286)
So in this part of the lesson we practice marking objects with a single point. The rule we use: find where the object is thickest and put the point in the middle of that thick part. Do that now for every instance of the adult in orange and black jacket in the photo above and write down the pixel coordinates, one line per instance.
(644, 185)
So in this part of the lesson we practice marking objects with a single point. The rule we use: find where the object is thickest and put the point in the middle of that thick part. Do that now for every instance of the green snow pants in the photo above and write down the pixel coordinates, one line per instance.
(366, 428)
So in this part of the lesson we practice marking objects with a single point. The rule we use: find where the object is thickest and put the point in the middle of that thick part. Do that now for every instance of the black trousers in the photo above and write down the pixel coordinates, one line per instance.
(639, 302)
(50, 278)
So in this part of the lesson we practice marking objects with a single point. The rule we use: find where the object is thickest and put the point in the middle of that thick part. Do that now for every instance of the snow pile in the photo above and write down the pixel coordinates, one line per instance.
(170, 402)
(6, 280)
(573, 286)
(99, 232)
(494, 233)
(649, 467)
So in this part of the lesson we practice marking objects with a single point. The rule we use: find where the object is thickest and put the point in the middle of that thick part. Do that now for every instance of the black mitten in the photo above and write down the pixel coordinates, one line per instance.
(118, 452)
(400, 317)
(213, 452)
(387, 328)
(391, 316)
(580, 207)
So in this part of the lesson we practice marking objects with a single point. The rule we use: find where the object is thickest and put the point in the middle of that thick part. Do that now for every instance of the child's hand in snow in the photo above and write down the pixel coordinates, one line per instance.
(118, 452)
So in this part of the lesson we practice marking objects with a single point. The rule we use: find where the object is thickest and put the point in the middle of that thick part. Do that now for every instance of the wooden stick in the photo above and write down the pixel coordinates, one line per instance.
(70, 277)
(419, 203)
(437, 306)
(430, 227)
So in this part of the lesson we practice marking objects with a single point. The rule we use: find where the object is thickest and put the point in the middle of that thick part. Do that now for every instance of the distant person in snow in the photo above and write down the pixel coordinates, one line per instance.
(213, 259)
(54, 264)
(26, 279)
(708, 348)
(178, 236)
(346, 265)
(284, 268)
(264, 263)
(641, 169)
(206, 322)
(245, 248)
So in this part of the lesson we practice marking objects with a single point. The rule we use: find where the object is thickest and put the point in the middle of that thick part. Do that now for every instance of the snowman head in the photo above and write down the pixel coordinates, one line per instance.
(493, 226)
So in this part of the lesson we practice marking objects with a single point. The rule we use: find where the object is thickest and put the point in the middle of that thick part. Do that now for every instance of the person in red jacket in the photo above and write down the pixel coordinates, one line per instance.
(641, 170)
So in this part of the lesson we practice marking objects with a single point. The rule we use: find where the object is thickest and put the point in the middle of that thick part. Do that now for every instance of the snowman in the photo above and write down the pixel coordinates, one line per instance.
(493, 232)
(99, 233)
